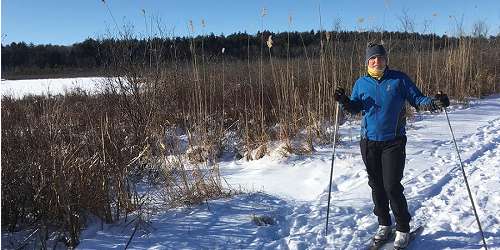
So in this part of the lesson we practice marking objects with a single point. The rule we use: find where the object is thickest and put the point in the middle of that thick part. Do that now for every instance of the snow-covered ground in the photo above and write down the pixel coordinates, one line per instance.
(20, 88)
(293, 191)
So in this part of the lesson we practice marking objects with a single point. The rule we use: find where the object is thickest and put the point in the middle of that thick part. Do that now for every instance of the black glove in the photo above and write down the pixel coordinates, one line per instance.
(340, 96)
(441, 100)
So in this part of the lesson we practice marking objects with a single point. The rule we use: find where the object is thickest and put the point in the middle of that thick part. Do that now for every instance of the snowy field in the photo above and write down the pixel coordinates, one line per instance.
(293, 192)
(20, 88)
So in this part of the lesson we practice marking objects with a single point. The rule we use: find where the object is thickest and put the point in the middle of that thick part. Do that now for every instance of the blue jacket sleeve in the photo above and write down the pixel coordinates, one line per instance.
(355, 105)
(414, 96)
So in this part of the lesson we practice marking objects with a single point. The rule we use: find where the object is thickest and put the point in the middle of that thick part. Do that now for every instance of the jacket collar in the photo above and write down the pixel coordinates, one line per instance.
(386, 71)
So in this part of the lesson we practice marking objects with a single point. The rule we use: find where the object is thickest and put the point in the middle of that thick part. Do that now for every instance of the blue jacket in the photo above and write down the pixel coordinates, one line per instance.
(382, 103)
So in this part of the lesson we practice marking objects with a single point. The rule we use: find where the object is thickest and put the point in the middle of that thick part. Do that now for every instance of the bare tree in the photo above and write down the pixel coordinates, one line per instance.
(458, 25)
(480, 29)
(406, 22)
(426, 26)
(337, 24)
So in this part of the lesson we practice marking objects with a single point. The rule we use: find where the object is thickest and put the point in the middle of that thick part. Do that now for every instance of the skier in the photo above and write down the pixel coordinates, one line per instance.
(380, 96)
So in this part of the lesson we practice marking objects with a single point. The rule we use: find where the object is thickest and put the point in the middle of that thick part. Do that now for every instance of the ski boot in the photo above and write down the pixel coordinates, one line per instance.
(402, 240)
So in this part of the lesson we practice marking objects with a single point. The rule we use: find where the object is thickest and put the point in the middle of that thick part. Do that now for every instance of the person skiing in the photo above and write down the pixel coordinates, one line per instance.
(380, 96)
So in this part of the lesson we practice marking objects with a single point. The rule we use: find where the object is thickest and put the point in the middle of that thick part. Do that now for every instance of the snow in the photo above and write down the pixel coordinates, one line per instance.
(293, 191)
(20, 88)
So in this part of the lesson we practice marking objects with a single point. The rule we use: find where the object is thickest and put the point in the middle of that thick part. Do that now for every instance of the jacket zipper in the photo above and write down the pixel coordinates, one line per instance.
(378, 103)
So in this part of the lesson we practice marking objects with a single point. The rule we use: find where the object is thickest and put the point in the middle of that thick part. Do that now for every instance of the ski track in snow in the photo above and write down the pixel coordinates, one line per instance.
(450, 210)
(295, 194)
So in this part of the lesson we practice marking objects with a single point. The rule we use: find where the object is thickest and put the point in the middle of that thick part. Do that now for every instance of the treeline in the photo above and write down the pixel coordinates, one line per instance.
(91, 57)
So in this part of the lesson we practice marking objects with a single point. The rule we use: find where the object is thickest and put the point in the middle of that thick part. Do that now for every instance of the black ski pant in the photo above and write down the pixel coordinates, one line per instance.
(385, 162)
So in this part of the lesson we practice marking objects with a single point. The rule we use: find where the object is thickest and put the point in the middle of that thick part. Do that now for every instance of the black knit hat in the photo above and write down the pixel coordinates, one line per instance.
(374, 49)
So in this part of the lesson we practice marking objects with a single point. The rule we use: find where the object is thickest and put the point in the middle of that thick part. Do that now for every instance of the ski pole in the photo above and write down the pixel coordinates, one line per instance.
(465, 178)
(333, 160)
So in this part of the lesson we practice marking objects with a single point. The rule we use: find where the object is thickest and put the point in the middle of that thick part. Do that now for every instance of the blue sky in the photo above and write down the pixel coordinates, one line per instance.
(69, 21)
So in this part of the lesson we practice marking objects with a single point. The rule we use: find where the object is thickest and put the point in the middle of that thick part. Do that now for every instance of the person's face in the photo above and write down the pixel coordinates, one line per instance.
(377, 62)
